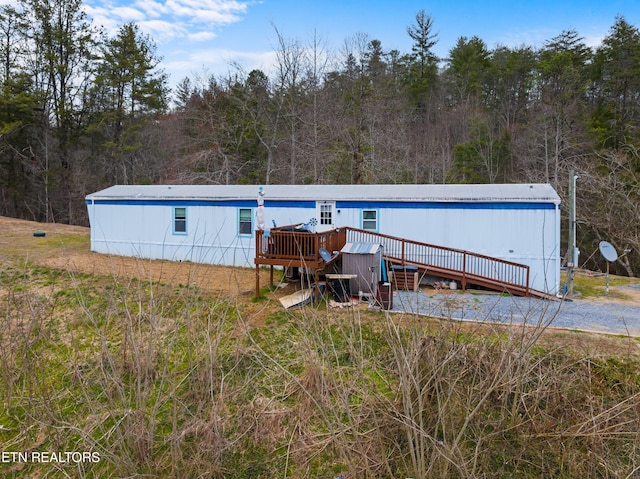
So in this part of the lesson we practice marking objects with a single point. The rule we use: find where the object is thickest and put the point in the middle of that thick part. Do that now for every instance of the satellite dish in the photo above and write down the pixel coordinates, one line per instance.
(325, 255)
(608, 251)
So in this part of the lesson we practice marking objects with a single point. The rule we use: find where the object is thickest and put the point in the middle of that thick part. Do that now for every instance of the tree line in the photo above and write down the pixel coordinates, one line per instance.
(80, 111)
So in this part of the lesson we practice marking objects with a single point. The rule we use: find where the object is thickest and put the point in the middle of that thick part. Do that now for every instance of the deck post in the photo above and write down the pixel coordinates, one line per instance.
(258, 252)
(271, 277)
(464, 271)
(257, 280)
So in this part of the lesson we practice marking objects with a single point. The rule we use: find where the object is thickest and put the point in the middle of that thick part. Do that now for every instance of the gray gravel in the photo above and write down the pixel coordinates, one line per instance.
(576, 314)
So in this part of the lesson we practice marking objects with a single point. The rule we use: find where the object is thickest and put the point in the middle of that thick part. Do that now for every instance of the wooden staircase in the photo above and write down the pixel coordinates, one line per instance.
(458, 265)
(287, 247)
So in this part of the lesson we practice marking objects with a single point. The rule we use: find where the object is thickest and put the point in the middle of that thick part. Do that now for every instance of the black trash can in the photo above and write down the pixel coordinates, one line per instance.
(384, 295)
(341, 290)
(407, 268)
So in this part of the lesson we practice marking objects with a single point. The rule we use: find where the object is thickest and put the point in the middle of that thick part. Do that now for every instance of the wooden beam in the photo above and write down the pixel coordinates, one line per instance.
(257, 280)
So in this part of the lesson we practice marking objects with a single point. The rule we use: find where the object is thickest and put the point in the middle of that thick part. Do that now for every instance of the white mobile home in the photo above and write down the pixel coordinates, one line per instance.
(216, 223)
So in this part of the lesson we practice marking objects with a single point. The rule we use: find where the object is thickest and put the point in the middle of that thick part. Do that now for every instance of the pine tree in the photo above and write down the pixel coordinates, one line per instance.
(129, 91)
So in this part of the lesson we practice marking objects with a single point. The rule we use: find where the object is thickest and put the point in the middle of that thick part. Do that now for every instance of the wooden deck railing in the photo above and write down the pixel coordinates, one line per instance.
(286, 245)
(452, 263)
(289, 247)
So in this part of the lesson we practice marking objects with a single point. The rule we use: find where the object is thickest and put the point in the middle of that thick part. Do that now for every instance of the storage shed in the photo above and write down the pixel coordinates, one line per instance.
(364, 261)
(216, 223)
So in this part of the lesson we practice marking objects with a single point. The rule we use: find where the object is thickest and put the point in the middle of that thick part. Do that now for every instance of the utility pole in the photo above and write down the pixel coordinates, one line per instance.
(572, 251)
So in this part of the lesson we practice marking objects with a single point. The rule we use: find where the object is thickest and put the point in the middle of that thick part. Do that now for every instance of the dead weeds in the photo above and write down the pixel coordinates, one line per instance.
(67, 248)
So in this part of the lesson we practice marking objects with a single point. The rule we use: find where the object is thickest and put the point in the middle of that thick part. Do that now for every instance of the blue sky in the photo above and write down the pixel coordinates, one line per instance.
(197, 38)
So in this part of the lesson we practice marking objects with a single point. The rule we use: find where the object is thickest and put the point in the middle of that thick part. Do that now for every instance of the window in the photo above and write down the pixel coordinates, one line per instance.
(326, 214)
(370, 220)
(245, 221)
(180, 221)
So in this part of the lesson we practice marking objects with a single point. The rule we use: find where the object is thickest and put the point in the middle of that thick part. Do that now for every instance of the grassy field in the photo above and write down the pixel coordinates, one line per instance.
(112, 367)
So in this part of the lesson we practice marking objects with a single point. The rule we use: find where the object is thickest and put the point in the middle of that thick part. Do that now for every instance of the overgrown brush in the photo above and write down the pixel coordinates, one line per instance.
(163, 381)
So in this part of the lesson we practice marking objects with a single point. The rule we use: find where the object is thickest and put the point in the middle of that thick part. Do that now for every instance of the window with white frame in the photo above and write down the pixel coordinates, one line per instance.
(180, 221)
(326, 214)
(245, 221)
(370, 220)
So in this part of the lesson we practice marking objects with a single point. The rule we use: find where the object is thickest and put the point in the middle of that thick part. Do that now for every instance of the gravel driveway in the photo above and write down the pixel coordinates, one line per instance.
(576, 314)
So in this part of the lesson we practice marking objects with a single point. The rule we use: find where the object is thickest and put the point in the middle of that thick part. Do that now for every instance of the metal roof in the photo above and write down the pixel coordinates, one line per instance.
(529, 192)
(361, 248)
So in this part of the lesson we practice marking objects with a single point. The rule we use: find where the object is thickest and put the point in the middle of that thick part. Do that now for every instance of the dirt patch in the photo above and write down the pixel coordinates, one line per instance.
(619, 295)
(68, 248)
(622, 290)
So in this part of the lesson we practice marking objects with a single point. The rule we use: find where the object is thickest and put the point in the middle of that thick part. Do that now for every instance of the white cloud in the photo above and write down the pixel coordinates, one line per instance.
(207, 61)
(128, 14)
(150, 7)
(102, 17)
(170, 19)
(213, 5)
(216, 17)
(184, 31)
(593, 41)
(220, 12)
(163, 30)
(180, 10)
(201, 36)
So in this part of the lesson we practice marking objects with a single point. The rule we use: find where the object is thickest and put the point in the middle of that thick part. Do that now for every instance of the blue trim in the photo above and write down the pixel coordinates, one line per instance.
(486, 205)
(290, 204)
(443, 205)
(232, 203)
(243, 203)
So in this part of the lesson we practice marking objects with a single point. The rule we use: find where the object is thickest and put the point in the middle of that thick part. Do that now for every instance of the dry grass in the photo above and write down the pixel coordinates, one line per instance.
(171, 370)
(67, 248)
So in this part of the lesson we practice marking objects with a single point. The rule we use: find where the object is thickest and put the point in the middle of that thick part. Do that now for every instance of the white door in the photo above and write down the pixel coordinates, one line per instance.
(326, 215)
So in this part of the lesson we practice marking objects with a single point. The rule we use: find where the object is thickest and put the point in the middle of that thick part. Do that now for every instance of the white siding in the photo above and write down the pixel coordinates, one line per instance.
(495, 220)
(521, 235)
(146, 231)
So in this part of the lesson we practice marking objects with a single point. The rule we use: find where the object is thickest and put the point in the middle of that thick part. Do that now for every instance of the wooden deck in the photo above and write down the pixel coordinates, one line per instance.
(288, 247)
